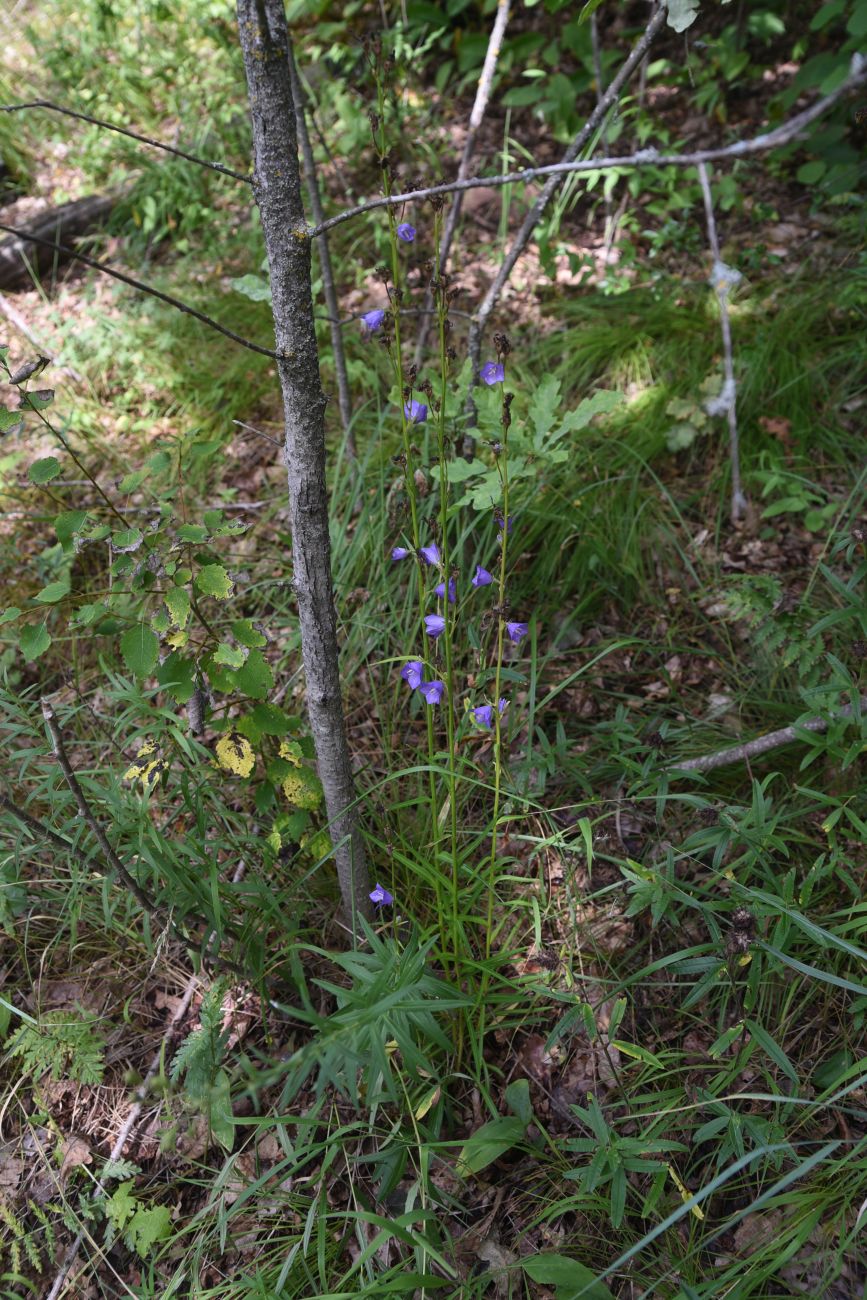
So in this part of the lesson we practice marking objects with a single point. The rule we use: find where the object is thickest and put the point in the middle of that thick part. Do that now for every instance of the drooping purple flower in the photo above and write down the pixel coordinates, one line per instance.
(434, 624)
(482, 578)
(430, 554)
(399, 553)
(516, 632)
(372, 320)
(441, 590)
(484, 713)
(381, 897)
(492, 372)
(432, 691)
(415, 411)
(413, 673)
(509, 524)
(406, 232)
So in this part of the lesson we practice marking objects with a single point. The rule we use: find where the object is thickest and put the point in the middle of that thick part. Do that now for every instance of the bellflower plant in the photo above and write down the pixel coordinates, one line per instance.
(441, 590)
(413, 673)
(415, 411)
(372, 320)
(430, 554)
(434, 625)
(484, 713)
(406, 232)
(432, 691)
(482, 578)
(399, 553)
(516, 632)
(492, 372)
(381, 897)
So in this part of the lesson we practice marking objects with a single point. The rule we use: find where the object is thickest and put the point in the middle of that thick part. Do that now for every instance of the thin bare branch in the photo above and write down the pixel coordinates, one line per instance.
(143, 288)
(133, 135)
(344, 398)
(88, 815)
(480, 104)
(780, 135)
(761, 745)
(723, 278)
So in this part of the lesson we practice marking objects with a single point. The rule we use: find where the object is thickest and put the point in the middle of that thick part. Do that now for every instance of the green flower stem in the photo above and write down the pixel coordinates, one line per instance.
(442, 312)
(409, 479)
(503, 464)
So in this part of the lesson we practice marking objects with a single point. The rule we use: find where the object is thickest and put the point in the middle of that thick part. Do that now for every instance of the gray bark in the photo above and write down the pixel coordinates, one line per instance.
(277, 188)
(329, 291)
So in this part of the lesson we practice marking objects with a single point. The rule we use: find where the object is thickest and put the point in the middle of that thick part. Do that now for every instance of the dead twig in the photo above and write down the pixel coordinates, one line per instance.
(132, 135)
(480, 104)
(761, 744)
(722, 278)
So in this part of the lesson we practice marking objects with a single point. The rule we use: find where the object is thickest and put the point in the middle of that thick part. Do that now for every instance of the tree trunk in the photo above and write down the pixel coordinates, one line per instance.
(277, 188)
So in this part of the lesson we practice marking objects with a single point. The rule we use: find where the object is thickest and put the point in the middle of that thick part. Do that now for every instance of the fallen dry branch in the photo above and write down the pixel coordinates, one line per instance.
(761, 744)
(36, 248)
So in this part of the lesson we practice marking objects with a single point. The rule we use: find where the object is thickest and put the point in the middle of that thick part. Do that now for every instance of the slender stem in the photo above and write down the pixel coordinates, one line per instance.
(133, 135)
(184, 307)
(498, 724)
(409, 473)
(442, 312)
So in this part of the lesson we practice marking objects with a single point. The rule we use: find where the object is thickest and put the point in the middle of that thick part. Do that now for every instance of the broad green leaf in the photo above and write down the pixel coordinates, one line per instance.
(67, 524)
(147, 1227)
(244, 631)
(140, 648)
(213, 580)
(193, 533)
(489, 1142)
(121, 1205)
(39, 398)
(518, 1100)
(86, 614)
(127, 540)
(544, 404)
(230, 656)
(178, 604)
(220, 1111)
(9, 420)
(44, 470)
(567, 1276)
(272, 721)
(34, 640)
(177, 675)
(130, 482)
(255, 679)
(458, 471)
(53, 592)
(9, 615)
(599, 404)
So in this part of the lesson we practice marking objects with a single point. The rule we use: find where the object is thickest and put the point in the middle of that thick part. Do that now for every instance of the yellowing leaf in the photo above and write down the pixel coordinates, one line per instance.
(177, 640)
(235, 753)
(427, 1102)
(148, 766)
(685, 1193)
(303, 789)
(291, 751)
